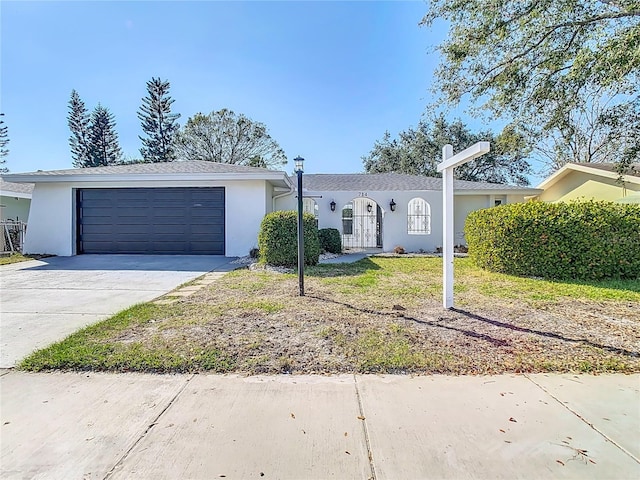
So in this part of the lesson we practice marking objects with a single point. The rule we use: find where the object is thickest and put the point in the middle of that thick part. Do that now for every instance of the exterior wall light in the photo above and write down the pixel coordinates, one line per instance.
(369, 207)
(332, 205)
(392, 205)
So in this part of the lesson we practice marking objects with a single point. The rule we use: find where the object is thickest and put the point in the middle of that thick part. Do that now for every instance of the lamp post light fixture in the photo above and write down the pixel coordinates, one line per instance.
(298, 168)
(392, 205)
(332, 205)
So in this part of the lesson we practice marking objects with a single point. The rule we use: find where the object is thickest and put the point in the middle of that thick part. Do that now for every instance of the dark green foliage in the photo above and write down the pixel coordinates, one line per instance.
(94, 140)
(78, 121)
(158, 123)
(578, 240)
(104, 148)
(418, 152)
(330, 240)
(564, 73)
(278, 239)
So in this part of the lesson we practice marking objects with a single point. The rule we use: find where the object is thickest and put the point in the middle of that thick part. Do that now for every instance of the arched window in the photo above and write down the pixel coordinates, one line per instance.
(418, 217)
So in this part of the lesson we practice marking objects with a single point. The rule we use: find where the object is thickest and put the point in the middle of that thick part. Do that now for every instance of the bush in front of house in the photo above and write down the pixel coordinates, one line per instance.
(330, 240)
(278, 239)
(578, 240)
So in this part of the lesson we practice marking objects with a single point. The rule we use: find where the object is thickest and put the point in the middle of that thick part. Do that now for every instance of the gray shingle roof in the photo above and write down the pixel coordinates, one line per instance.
(10, 187)
(195, 166)
(393, 182)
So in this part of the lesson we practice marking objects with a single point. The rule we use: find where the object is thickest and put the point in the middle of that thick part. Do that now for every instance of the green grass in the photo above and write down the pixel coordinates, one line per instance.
(470, 278)
(14, 258)
(264, 306)
(97, 347)
(386, 351)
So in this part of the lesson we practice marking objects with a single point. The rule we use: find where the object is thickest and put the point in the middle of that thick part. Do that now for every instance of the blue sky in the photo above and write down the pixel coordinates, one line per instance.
(327, 78)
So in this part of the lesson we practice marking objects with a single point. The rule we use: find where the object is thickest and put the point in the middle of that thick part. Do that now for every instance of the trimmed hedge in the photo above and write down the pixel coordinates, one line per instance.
(330, 240)
(577, 240)
(278, 239)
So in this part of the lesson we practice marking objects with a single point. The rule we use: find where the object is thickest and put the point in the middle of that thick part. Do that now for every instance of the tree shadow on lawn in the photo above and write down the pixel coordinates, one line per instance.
(326, 270)
(497, 342)
(542, 333)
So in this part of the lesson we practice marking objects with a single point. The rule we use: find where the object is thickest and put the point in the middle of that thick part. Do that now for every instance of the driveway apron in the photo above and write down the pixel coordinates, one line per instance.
(43, 301)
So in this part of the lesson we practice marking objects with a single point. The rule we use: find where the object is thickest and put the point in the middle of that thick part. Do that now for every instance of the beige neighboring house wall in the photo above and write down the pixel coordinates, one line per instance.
(584, 181)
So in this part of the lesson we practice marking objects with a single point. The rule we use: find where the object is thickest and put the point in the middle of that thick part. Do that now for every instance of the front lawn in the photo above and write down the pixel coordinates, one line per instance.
(377, 315)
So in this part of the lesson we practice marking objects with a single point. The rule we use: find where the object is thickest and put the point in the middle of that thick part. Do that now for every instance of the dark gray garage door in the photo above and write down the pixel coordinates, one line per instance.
(151, 220)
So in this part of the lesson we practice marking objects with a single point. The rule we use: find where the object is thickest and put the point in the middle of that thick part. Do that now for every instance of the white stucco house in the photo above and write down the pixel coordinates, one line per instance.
(15, 201)
(199, 207)
(386, 210)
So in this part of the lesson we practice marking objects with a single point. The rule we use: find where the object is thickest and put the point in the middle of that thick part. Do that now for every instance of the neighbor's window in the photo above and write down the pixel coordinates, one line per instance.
(347, 219)
(418, 217)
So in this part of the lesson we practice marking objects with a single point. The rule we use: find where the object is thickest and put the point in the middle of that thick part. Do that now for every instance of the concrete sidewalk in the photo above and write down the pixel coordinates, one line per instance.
(90, 426)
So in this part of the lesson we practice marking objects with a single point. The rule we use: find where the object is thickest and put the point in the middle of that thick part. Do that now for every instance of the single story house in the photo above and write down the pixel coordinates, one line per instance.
(589, 181)
(15, 200)
(386, 210)
(199, 207)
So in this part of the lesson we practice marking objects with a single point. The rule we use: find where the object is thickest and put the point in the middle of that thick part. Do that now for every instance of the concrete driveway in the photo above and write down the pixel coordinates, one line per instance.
(43, 301)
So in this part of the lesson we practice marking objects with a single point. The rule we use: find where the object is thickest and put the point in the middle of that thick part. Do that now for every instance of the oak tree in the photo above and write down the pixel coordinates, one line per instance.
(544, 65)
(227, 137)
(417, 151)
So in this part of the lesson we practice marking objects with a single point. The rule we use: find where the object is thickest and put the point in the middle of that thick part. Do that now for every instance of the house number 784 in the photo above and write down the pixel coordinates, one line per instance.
(362, 194)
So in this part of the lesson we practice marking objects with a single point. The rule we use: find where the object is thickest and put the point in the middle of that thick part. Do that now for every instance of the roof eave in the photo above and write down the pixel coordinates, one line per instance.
(9, 193)
(143, 177)
(499, 191)
(566, 169)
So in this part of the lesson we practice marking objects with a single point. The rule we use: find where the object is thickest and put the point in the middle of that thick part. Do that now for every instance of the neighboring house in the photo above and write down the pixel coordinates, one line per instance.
(385, 210)
(587, 181)
(15, 200)
(200, 207)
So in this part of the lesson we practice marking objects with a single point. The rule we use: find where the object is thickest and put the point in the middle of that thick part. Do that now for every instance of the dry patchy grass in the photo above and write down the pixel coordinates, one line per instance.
(377, 315)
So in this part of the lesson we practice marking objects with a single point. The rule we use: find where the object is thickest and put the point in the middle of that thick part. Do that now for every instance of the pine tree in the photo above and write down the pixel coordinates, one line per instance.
(79, 141)
(4, 140)
(158, 123)
(104, 148)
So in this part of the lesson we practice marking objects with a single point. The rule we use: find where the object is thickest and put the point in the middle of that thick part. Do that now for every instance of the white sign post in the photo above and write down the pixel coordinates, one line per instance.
(449, 162)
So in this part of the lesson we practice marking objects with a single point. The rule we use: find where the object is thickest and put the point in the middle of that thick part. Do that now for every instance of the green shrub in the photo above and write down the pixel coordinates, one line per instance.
(330, 240)
(577, 240)
(278, 239)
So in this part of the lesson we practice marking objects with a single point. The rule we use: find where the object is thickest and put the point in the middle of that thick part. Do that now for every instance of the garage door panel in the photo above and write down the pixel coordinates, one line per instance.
(152, 220)
(203, 247)
(207, 213)
(170, 212)
(207, 229)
